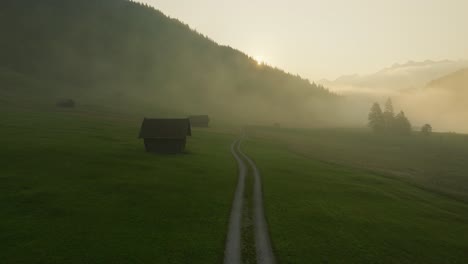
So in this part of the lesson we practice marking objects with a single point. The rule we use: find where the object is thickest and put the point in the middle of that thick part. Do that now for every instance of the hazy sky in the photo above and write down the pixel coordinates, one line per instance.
(327, 38)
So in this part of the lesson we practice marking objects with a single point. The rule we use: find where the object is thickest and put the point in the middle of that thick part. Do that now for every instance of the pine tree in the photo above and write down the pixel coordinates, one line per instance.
(401, 124)
(389, 116)
(376, 119)
(389, 106)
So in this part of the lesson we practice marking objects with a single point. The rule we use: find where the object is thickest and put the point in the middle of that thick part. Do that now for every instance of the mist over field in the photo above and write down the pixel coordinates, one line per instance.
(162, 131)
(131, 57)
(432, 92)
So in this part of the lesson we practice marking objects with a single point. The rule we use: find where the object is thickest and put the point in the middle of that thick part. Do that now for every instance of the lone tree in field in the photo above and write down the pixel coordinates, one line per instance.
(376, 119)
(389, 116)
(402, 125)
(426, 130)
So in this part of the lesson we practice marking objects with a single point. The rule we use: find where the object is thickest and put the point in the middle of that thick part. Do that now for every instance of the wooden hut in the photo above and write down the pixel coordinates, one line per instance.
(199, 120)
(165, 135)
(66, 103)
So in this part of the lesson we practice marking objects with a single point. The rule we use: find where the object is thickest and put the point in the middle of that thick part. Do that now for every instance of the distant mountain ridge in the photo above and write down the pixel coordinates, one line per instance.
(398, 77)
(417, 63)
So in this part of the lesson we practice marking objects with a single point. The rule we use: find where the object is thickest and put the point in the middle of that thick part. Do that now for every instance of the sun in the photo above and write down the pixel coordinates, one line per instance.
(260, 60)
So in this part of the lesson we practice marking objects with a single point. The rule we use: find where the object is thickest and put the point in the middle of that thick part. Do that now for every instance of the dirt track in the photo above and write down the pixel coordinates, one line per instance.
(263, 248)
(232, 251)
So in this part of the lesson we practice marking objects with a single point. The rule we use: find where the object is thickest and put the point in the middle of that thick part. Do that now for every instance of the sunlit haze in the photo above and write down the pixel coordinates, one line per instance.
(248, 131)
(325, 39)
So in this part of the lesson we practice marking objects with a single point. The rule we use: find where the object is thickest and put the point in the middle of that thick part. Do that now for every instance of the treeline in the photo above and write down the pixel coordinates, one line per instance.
(118, 50)
(387, 122)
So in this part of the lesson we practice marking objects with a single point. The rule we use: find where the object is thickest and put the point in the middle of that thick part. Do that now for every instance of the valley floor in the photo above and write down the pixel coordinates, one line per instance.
(319, 212)
(77, 187)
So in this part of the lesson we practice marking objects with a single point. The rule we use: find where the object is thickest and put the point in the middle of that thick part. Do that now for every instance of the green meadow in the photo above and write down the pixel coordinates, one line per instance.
(331, 197)
(437, 163)
(77, 187)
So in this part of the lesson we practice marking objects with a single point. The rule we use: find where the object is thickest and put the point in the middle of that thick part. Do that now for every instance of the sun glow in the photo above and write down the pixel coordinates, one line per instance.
(260, 60)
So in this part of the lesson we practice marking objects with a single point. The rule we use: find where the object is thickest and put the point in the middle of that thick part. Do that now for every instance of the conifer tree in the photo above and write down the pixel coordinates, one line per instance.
(389, 116)
(401, 124)
(376, 119)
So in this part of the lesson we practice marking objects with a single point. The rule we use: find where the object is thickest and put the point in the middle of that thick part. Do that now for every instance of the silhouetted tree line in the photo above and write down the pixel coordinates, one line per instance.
(120, 49)
(386, 121)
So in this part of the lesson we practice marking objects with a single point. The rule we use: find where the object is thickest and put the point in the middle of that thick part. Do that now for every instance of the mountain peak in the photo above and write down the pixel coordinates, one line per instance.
(400, 76)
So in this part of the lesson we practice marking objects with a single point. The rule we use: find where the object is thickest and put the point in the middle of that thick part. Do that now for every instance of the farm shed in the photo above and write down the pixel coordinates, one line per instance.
(199, 120)
(165, 135)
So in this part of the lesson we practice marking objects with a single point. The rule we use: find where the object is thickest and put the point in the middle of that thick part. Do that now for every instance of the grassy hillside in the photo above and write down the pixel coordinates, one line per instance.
(77, 187)
(119, 53)
(322, 212)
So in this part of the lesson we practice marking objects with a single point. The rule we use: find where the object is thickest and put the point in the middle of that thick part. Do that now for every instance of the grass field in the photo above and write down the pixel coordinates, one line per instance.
(438, 163)
(322, 212)
(77, 187)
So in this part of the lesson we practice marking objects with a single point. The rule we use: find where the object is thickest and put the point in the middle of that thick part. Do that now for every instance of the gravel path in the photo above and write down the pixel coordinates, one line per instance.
(263, 248)
(232, 252)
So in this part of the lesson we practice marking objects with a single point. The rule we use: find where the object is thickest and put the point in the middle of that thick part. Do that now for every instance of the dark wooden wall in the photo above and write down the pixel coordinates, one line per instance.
(198, 123)
(165, 146)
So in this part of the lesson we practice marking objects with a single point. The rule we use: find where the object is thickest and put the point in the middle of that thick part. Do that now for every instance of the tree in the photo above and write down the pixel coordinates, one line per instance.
(389, 116)
(376, 119)
(401, 124)
(389, 106)
(387, 121)
(426, 130)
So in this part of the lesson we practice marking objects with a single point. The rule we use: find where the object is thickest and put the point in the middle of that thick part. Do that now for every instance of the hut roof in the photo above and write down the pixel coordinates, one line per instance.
(200, 118)
(165, 128)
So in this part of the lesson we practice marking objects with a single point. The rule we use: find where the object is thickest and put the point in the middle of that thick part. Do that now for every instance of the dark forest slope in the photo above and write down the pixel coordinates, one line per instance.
(117, 53)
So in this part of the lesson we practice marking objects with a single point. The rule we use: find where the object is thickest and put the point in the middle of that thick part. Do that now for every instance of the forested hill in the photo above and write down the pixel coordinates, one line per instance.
(118, 52)
(455, 82)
